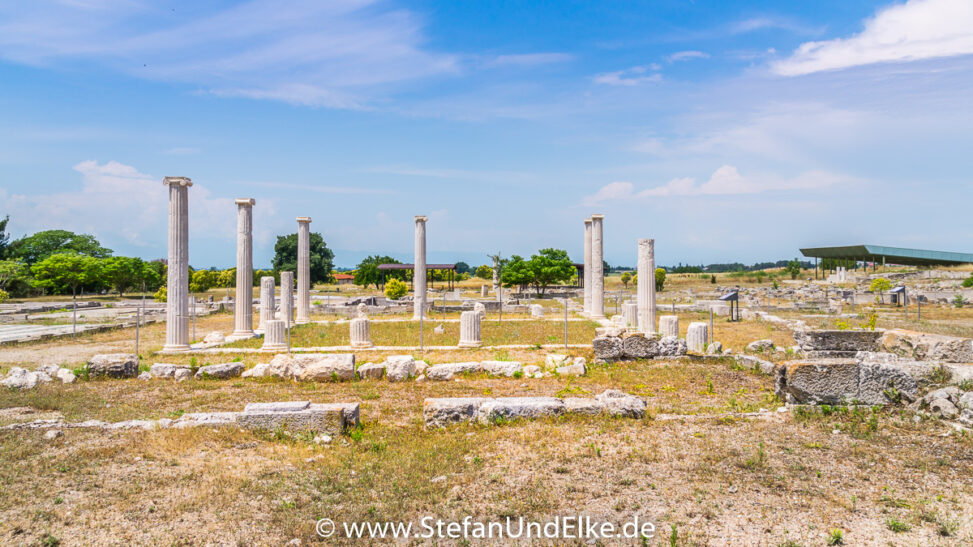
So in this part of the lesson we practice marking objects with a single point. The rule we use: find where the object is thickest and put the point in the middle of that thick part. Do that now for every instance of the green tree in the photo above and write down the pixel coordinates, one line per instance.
(367, 272)
(660, 279)
(66, 272)
(395, 289)
(34, 248)
(880, 284)
(549, 267)
(321, 263)
(517, 272)
(202, 281)
(793, 268)
(484, 272)
(122, 273)
(462, 267)
(4, 237)
(11, 271)
(626, 278)
(226, 278)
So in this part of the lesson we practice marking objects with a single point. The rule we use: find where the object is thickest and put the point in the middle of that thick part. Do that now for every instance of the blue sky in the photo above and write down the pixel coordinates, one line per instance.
(728, 131)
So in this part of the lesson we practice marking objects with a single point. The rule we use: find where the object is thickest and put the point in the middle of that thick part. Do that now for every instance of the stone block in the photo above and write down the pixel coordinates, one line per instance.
(501, 368)
(876, 380)
(446, 371)
(670, 346)
(439, 412)
(400, 367)
(621, 404)
(928, 347)
(314, 366)
(114, 365)
(294, 417)
(373, 371)
(574, 369)
(837, 340)
(825, 381)
(166, 370)
(640, 346)
(588, 407)
(608, 348)
(221, 371)
(509, 408)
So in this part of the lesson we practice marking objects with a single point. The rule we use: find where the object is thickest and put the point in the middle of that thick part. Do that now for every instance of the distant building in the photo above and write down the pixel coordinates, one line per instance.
(344, 279)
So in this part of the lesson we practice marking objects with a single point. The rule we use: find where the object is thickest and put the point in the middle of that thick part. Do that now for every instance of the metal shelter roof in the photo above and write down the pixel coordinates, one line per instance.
(890, 255)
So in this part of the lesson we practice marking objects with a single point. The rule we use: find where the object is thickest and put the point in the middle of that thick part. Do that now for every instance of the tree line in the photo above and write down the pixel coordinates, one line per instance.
(64, 262)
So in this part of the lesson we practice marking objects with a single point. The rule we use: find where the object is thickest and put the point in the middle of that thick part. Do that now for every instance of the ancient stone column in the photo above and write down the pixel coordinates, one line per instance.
(587, 266)
(480, 309)
(484, 291)
(469, 330)
(419, 273)
(303, 270)
(360, 330)
(243, 307)
(267, 306)
(287, 297)
(275, 334)
(177, 288)
(646, 286)
(630, 314)
(597, 267)
(697, 337)
(669, 325)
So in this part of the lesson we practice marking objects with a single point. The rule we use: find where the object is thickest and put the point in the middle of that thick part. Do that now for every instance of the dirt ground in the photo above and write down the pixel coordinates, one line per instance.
(713, 462)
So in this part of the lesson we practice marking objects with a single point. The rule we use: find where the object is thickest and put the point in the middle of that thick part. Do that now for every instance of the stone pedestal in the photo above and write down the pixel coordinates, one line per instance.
(484, 291)
(587, 266)
(419, 273)
(669, 325)
(469, 330)
(630, 314)
(360, 333)
(697, 337)
(243, 307)
(177, 287)
(646, 286)
(303, 270)
(597, 267)
(536, 310)
(480, 309)
(275, 335)
(267, 306)
(287, 297)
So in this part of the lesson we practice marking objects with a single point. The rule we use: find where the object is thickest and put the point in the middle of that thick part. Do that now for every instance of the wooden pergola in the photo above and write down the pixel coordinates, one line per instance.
(451, 268)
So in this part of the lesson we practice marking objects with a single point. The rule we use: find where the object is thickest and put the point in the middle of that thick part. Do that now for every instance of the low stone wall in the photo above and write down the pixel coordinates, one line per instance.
(844, 381)
(931, 347)
(836, 343)
(439, 412)
(617, 346)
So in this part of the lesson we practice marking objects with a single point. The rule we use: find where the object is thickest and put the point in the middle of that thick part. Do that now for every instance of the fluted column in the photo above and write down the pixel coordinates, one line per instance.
(669, 325)
(267, 302)
(646, 286)
(697, 337)
(630, 314)
(469, 330)
(303, 270)
(177, 288)
(287, 297)
(419, 273)
(597, 267)
(243, 307)
(275, 335)
(587, 266)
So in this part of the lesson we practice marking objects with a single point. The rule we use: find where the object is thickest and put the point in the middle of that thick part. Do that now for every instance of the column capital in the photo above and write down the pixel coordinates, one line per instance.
(304, 220)
(597, 217)
(177, 181)
(587, 221)
(421, 218)
(245, 201)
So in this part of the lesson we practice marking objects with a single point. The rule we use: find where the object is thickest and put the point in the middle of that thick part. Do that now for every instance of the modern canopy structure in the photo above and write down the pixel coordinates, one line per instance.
(890, 255)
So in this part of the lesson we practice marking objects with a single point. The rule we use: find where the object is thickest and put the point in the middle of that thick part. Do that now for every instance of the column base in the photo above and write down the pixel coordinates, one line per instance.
(470, 345)
(176, 347)
(361, 345)
(301, 321)
(274, 347)
(242, 335)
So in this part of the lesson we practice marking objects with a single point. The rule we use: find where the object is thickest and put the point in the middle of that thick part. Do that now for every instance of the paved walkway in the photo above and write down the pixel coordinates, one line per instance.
(23, 333)
(329, 349)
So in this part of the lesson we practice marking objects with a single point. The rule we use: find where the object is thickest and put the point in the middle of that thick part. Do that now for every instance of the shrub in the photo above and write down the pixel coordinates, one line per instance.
(959, 301)
(660, 279)
(968, 282)
(4, 296)
(395, 289)
(880, 284)
(161, 294)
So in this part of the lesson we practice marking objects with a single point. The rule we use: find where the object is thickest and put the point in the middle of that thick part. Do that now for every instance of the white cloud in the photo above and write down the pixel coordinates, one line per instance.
(629, 77)
(331, 54)
(687, 55)
(121, 205)
(725, 181)
(918, 29)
